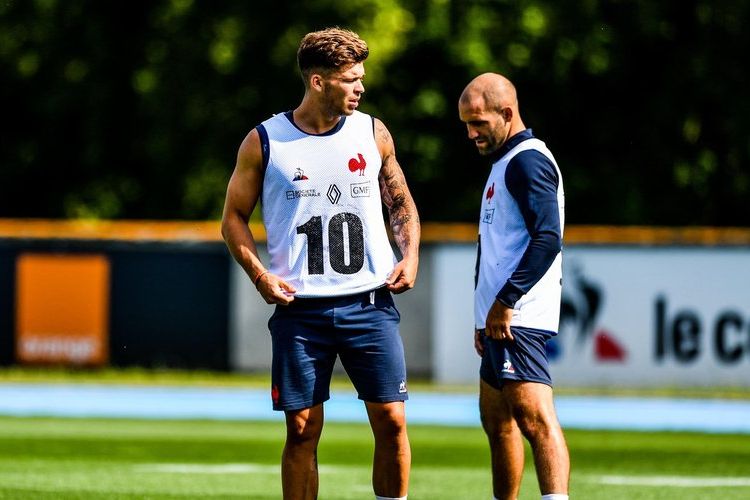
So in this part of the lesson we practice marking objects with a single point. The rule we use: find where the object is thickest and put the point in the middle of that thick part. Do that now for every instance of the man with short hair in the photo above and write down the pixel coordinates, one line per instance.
(323, 171)
(518, 289)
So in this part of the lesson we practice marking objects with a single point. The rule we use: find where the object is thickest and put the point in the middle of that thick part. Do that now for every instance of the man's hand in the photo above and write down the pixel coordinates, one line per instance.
(403, 276)
(498, 321)
(478, 344)
(274, 290)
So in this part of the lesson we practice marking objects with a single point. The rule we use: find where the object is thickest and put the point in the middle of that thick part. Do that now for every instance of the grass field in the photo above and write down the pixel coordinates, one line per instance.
(52, 458)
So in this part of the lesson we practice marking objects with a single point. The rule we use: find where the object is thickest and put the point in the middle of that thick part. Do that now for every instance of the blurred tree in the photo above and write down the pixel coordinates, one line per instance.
(136, 109)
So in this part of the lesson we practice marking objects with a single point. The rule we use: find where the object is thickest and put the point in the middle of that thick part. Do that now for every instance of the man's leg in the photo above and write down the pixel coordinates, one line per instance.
(392, 460)
(534, 411)
(506, 443)
(299, 461)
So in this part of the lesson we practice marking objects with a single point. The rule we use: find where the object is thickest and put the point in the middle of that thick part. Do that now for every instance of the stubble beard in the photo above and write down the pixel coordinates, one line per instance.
(335, 107)
(493, 142)
(490, 147)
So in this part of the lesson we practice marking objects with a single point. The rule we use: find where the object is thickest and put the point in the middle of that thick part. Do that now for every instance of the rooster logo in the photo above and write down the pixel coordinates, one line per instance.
(360, 165)
(580, 309)
(299, 175)
(490, 192)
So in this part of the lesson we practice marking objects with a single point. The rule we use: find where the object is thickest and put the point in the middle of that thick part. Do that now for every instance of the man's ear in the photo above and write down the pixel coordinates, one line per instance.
(316, 82)
(507, 113)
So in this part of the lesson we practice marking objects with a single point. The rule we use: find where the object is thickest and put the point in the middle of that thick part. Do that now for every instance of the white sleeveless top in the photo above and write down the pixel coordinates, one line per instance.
(322, 208)
(504, 238)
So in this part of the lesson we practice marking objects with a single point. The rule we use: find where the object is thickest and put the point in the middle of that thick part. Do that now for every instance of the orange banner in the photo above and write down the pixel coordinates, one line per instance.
(62, 309)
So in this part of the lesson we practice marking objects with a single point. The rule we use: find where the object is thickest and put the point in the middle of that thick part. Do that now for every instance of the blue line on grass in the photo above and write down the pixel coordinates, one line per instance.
(575, 412)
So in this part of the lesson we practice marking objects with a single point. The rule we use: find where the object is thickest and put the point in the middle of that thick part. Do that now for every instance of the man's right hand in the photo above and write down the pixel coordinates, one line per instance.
(498, 320)
(274, 290)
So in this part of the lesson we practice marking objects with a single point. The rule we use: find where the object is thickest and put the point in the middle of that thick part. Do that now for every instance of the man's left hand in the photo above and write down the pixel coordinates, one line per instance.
(403, 276)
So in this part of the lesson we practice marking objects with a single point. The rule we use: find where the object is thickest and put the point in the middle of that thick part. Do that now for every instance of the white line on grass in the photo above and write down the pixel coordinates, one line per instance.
(209, 468)
(673, 481)
(229, 468)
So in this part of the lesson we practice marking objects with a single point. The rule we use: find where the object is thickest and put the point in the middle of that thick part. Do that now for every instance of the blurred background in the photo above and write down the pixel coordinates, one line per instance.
(122, 122)
(135, 110)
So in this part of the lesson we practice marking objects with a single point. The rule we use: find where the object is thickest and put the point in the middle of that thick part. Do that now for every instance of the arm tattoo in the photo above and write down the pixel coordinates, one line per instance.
(402, 211)
(383, 136)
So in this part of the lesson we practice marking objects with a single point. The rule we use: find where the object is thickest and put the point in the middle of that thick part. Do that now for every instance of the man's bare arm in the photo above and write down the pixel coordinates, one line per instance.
(402, 211)
(243, 193)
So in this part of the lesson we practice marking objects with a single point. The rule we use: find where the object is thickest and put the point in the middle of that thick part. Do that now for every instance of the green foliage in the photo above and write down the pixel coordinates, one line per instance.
(136, 109)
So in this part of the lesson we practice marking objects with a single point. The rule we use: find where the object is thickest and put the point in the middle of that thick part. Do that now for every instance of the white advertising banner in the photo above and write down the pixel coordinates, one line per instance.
(662, 316)
(631, 317)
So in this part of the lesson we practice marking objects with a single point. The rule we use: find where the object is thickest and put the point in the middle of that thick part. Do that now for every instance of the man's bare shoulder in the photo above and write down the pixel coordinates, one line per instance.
(250, 154)
(384, 140)
(382, 135)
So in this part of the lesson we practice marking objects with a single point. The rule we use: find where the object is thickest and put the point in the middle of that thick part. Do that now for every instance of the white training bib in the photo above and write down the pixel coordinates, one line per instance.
(503, 239)
(322, 208)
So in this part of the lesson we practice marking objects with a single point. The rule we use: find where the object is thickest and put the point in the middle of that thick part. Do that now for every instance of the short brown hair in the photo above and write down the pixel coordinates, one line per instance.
(330, 49)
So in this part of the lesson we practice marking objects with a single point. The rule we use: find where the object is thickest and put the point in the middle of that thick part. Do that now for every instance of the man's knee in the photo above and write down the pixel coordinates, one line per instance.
(537, 426)
(303, 427)
(387, 419)
(533, 409)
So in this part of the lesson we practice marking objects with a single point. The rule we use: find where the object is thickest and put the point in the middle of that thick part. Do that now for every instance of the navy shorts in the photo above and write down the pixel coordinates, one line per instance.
(523, 359)
(308, 334)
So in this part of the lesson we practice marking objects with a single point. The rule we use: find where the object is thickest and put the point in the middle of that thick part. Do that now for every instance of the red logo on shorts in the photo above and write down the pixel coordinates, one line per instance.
(275, 394)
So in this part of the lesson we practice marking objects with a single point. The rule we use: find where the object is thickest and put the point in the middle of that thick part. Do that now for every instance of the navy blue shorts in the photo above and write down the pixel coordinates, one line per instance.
(523, 359)
(308, 334)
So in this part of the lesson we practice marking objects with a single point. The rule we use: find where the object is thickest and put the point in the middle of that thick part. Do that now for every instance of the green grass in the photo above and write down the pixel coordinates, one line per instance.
(55, 458)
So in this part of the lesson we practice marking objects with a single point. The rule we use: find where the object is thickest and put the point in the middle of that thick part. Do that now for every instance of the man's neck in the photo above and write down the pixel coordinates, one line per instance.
(311, 119)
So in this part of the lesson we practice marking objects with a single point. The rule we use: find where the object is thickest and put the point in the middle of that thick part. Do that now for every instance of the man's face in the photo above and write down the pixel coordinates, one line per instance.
(487, 128)
(343, 89)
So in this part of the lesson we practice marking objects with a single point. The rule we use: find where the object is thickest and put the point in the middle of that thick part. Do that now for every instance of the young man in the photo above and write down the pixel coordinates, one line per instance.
(323, 172)
(518, 289)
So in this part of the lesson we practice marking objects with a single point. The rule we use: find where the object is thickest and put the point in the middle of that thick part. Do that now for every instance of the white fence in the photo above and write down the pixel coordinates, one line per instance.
(632, 316)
